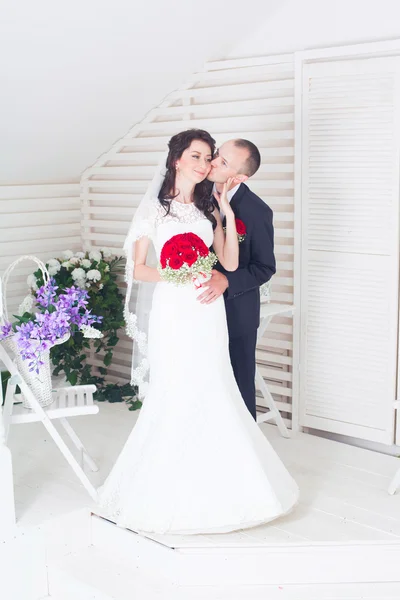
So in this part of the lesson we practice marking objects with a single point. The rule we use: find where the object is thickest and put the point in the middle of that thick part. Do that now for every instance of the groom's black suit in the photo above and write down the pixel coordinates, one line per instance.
(242, 298)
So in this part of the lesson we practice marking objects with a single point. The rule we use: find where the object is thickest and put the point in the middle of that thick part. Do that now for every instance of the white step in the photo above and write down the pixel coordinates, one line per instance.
(23, 571)
(270, 564)
(92, 575)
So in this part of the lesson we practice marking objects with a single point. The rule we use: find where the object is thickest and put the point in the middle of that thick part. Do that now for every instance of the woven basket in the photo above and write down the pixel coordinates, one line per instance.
(40, 383)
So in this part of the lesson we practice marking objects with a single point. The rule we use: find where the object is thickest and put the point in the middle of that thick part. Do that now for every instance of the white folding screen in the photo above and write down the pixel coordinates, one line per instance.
(349, 246)
(250, 98)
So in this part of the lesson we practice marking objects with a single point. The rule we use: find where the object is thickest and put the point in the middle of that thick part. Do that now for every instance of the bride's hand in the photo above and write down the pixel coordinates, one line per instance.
(222, 198)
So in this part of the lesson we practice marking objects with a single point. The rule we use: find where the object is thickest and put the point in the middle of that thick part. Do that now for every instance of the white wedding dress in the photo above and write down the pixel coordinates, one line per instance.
(196, 461)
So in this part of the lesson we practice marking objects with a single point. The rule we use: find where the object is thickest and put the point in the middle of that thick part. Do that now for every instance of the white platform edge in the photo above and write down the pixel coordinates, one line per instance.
(310, 563)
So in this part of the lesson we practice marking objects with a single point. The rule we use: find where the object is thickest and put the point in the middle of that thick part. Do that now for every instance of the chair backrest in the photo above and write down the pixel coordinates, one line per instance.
(265, 292)
(6, 276)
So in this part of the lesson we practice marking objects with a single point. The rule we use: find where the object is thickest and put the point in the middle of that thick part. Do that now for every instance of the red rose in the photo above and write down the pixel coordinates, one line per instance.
(202, 249)
(175, 262)
(240, 227)
(170, 248)
(190, 257)
(163, 260)
(194, 239)
(184, 245)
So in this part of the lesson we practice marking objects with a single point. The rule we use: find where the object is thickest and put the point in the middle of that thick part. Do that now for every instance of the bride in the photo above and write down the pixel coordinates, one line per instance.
(196, 461)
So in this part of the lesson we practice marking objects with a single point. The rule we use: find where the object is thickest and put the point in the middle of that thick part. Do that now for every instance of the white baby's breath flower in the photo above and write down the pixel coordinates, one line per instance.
(31, 281)
(86, 263)
(53, 262)
(87, 284)
(67, 254)
(101, 286)
(74, 260)
(106, 268)
(80, 254)
(26, 305)
(78, 273)
(94, 275)
(90, 332)
(95, 255)
(106, 252)
(66, 264)
(54, 269)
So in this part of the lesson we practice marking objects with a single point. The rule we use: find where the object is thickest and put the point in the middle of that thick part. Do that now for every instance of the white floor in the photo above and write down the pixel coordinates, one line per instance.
(344, 500)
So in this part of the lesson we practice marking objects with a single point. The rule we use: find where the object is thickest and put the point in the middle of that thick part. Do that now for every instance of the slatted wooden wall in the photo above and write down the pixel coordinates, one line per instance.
(250, 98)
(42, 220)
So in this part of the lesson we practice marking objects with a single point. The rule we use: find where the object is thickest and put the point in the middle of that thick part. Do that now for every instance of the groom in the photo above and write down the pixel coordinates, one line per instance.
(240, 159)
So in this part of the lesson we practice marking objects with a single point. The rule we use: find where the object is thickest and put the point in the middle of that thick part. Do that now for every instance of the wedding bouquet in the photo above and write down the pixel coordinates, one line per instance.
(185, 259)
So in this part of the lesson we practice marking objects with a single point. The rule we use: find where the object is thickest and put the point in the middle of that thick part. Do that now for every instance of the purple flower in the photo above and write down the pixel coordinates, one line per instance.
(5, 331)
(46, 294)
(61, 312)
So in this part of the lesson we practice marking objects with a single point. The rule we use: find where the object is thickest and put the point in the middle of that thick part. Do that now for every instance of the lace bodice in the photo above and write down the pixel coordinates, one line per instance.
(182, 218)
(179, 212)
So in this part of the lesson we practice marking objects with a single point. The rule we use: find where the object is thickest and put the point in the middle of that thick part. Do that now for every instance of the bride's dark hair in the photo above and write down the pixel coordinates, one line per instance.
(202, 191)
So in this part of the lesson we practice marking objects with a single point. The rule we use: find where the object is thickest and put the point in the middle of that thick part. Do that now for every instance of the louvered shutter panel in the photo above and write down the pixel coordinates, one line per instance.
(42, 220)
(349, 276)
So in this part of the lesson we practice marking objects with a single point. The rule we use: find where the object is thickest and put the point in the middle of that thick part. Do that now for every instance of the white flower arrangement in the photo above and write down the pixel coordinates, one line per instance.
(86, 268)
(93, 275)
(90, 332)
(53, 262)
(95, 255)
(78, 273)
(106, 252)
(26, 305)
(54, 266)
(97, 272)
(31, 281)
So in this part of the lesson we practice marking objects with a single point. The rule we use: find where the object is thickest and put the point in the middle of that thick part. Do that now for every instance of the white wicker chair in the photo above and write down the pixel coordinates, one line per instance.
(67, 402)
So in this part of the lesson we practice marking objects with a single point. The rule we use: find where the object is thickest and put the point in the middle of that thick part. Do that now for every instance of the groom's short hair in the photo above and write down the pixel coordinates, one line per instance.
(253, 161)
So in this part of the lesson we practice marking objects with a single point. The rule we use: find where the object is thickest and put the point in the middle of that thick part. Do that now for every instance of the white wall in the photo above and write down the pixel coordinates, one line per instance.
(77, 75)
(305, 24)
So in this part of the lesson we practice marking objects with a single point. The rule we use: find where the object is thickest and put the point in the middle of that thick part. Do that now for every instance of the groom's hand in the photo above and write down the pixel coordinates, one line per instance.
(214, 288)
